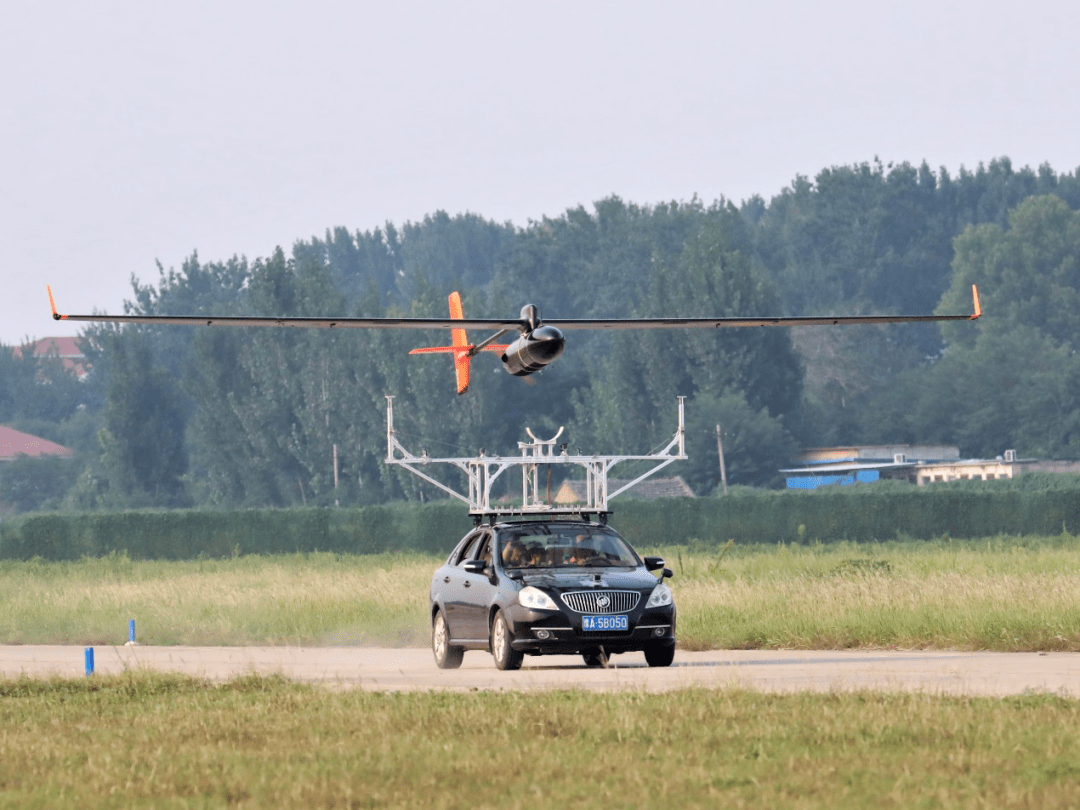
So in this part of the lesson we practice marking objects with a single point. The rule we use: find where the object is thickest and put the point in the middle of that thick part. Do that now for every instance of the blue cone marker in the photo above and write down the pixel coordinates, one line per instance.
(89, 660)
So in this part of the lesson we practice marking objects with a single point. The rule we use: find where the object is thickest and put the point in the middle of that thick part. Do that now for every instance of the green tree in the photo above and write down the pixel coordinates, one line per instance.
(143, 454)
(40, 396)
(631, 396)
(1012, 379)
(29, 484)
(756, 445)
(1028, 274)
(36, 388)
(265, 408)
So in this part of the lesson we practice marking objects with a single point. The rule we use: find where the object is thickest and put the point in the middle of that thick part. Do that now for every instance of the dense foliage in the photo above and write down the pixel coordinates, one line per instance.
(178, 416)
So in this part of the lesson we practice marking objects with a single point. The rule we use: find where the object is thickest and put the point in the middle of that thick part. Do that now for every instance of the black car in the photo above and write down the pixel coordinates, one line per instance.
(535, 587)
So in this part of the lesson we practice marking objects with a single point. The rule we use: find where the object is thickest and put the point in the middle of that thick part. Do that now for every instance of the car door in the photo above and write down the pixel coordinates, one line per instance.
(479, 589)
(453, 587)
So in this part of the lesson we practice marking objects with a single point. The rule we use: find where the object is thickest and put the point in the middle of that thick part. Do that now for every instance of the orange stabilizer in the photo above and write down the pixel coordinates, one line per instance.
(460, 342)
(461, 371)
(457, 336)
(460, 348)
(491, 347)
(978, 306)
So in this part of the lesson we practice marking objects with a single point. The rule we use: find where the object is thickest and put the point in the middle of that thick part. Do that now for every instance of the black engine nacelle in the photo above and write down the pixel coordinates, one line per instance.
(532, 351)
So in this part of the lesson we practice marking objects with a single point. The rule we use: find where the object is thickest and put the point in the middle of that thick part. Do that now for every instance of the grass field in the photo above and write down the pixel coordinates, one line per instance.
(998, 594)
(154, 740)
(142, 740)
(297, 599)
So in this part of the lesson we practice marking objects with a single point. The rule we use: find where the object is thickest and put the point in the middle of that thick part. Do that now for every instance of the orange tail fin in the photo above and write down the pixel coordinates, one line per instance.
(461, 348)
(461, 345)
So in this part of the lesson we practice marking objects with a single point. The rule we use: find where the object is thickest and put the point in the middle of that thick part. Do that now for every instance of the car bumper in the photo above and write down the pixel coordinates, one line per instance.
(549, 633)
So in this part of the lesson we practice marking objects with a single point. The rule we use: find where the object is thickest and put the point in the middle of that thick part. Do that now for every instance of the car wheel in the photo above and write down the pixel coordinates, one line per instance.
(595, 660)
(447, 656)
(506, 657)
(660, 655)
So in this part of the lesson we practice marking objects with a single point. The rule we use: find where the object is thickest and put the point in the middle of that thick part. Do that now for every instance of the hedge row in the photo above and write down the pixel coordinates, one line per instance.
(845, 514)
(189, 534)
(769, 517)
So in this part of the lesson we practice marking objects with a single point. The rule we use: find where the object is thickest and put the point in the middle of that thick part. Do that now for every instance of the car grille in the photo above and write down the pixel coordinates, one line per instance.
(601, 601)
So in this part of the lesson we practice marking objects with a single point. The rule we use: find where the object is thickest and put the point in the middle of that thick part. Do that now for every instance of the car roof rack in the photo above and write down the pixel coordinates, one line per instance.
(499, 515)
(483, 470)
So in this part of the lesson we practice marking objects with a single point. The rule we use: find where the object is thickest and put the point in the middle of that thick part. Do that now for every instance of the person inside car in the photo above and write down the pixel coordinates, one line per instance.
(513, 554)
(582, 553)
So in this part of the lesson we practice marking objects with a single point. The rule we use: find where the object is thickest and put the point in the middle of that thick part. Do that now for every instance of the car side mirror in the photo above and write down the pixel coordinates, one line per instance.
(654, 563)
(474, 566)
(668, 574)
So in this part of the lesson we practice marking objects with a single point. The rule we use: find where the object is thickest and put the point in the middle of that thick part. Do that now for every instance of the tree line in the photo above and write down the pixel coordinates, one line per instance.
(182, 416)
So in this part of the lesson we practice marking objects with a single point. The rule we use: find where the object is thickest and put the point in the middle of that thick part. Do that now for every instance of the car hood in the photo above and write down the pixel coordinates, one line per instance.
(563, 580)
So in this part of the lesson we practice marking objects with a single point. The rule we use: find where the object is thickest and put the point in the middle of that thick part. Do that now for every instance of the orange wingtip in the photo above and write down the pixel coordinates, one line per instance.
(975, 299)
(52, 304)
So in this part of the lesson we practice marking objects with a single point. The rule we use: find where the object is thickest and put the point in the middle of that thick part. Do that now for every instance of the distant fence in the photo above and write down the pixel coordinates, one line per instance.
(766, 517)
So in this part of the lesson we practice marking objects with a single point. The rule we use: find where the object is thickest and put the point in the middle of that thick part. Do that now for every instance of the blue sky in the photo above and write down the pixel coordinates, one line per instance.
(132, 134)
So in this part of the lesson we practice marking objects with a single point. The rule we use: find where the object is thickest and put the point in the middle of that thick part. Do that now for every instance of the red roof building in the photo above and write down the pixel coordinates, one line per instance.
(14, 444)
(66, 348)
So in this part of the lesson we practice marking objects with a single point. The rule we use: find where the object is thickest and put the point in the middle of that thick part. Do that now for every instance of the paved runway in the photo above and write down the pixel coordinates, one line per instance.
(390, 669)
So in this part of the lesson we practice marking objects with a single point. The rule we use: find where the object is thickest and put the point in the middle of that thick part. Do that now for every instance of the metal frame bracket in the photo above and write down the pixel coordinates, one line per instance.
(483, 470)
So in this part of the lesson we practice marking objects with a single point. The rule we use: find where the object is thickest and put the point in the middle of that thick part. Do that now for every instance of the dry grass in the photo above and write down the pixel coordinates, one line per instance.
(1000, 594)
(301, 599)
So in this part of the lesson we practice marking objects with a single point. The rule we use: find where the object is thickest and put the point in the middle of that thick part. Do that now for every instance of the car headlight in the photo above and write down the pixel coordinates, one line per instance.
(661, 596)
(536, 599)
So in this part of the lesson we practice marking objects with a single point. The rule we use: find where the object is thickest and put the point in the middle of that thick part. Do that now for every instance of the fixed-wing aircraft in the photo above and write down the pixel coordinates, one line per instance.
(538, 342)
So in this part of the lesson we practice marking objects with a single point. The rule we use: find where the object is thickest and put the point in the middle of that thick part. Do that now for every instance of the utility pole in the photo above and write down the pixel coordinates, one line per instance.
(336, 503)
(720, 452)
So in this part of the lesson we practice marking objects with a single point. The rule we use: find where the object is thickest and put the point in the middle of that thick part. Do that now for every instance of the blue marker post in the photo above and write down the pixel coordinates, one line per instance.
(131, 633)
(89, 660)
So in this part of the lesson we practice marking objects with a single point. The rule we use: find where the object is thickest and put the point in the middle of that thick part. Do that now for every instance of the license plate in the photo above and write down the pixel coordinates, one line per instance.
(602, 623)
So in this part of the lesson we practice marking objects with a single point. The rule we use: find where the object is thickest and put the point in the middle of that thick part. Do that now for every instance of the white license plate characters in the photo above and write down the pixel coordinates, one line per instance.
(604, 623)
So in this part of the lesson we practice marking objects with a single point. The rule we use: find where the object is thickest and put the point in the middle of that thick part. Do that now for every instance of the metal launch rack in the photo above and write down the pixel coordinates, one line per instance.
(483, 470)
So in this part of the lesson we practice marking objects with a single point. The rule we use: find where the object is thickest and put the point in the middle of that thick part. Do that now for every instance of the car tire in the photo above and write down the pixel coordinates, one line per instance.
(595, 660)
(660, 655)
(506, 657)
(447, 656)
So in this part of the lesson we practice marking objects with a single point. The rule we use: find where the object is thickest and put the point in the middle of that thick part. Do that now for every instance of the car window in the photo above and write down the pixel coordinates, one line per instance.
(466, 550)
(553, 546)
(485, 553)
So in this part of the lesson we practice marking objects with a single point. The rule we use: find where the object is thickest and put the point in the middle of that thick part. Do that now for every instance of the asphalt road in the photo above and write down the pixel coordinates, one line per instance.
(392, 669)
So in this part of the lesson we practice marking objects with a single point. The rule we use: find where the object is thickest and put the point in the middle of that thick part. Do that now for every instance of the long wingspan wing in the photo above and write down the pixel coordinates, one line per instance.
(329, 323)
(516, 323)
(718, 323)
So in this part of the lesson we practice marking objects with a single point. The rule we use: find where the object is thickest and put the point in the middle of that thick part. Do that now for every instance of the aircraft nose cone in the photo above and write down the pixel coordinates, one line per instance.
(547, 343)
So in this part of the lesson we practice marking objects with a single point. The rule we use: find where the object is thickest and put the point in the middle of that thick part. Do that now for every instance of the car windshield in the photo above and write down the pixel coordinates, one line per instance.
(542, 546)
